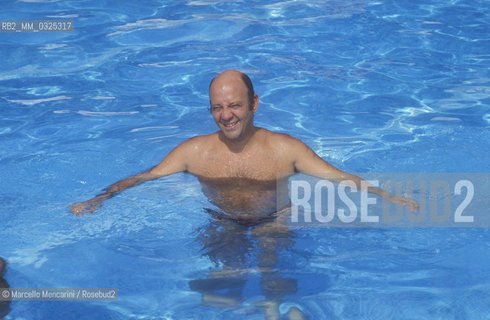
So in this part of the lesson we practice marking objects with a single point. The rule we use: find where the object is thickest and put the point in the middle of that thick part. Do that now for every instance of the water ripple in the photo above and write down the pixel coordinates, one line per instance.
(37, 101)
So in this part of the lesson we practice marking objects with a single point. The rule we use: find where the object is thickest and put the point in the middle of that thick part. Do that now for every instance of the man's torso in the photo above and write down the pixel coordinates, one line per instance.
(265, 159)
(242, 183)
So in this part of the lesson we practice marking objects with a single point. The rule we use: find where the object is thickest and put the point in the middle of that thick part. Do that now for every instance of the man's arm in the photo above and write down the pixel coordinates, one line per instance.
(174, 162)
(308, 162)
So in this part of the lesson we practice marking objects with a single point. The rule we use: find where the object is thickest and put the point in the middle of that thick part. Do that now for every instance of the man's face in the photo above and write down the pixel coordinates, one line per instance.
(230, 106)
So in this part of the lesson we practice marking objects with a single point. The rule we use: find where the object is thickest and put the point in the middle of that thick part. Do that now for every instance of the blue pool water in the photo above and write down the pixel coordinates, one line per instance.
(371, 86)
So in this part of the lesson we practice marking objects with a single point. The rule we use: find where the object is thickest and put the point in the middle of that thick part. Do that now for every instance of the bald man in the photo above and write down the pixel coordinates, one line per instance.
(239, 164)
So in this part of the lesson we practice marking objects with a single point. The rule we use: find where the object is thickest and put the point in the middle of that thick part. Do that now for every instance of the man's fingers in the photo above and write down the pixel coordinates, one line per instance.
(84, 208)
(412, 205)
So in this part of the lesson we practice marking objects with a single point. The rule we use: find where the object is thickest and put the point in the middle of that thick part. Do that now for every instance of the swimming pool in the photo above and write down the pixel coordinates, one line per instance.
(371, 86)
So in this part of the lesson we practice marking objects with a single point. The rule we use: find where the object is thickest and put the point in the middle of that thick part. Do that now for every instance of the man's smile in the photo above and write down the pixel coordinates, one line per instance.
(230, 125)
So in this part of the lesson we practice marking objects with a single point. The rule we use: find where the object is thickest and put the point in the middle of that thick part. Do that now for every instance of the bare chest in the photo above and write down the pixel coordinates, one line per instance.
(257, 165)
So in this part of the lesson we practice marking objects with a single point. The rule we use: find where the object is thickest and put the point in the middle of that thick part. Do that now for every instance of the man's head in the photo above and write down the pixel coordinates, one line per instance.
(233, 103)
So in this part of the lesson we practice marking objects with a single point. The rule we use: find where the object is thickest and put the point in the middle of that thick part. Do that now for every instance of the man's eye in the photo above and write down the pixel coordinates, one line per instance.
(235, 105)
(214, 109)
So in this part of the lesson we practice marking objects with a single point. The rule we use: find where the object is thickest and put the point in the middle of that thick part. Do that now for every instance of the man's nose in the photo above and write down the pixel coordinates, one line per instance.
(226, 114)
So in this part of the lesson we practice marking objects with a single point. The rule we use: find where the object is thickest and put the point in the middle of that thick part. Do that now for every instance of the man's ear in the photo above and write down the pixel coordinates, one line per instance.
(255, 104)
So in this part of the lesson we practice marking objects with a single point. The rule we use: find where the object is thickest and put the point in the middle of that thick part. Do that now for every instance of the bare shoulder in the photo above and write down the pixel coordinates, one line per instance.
(197, 144)
(282, 142)
(185, 155)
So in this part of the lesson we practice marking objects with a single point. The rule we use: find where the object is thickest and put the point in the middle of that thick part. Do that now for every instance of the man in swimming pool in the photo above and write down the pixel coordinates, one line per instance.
(239, 153)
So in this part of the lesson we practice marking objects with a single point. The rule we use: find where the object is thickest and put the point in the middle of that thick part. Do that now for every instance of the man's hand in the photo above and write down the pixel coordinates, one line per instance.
(412, 205)
(86, 206)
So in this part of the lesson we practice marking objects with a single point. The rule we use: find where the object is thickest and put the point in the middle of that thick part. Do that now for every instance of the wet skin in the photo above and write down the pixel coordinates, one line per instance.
(237, 150)
(238, 168)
